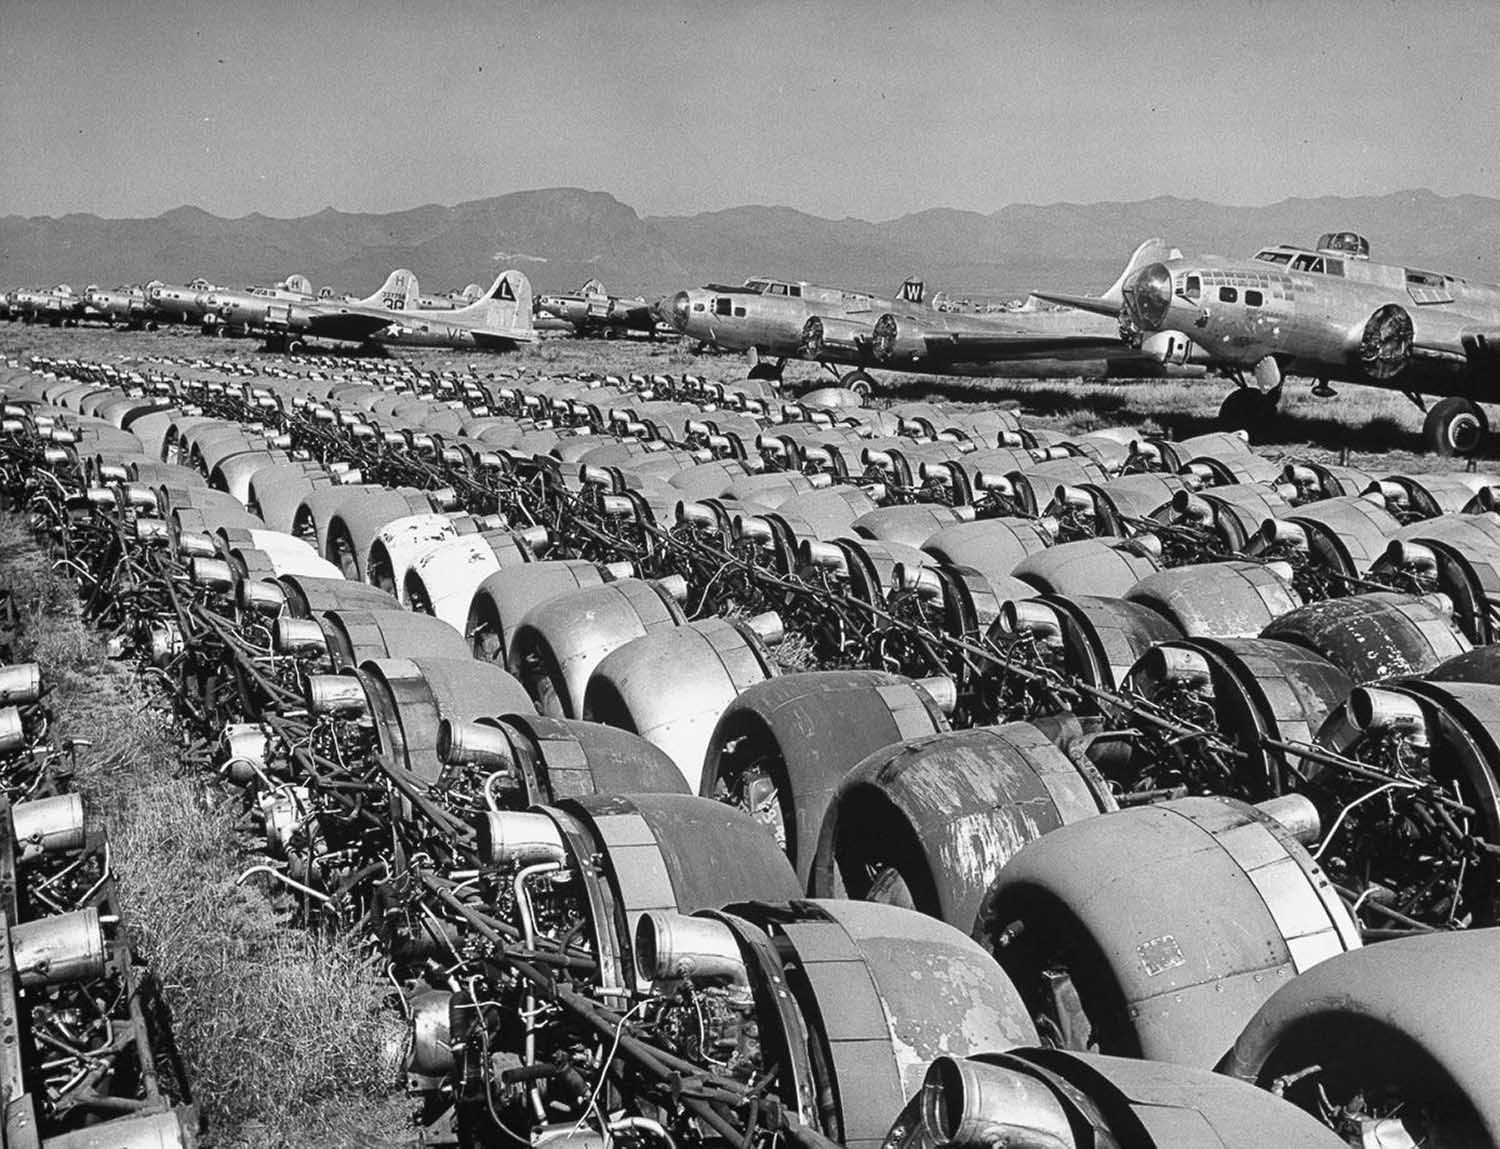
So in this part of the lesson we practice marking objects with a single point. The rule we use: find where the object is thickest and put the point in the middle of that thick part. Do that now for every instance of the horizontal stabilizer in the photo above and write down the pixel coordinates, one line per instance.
(1081, 302)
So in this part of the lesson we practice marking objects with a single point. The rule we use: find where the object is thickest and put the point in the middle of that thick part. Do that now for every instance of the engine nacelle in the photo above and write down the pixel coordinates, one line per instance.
(1173, 349)
(1385, 343)
(826, 337)
(895, 339)
(1036, 1098)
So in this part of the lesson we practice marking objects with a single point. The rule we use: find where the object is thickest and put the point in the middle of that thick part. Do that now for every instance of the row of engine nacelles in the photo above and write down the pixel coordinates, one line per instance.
(1212, 1003)
(1372, 1043)
(1396, 717)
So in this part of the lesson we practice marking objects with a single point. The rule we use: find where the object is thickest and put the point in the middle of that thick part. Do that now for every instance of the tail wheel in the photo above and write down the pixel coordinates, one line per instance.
(1454, 426)
(295, 347)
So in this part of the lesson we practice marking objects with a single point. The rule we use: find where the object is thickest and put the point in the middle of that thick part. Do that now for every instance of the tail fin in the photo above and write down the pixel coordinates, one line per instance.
(298, 283)
(1152, 251)
(399, 292)
(912, 291)
(592, 287)
(506, 306)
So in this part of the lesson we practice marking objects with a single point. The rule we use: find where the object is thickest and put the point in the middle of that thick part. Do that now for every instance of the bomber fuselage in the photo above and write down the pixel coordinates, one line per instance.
(765, 314)
(1325, 313)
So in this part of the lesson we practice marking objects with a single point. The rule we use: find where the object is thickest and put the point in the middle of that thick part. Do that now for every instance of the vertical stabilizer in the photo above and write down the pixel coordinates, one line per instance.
(1152, 251)
(399, 292)
(912, 291)
(505, 307)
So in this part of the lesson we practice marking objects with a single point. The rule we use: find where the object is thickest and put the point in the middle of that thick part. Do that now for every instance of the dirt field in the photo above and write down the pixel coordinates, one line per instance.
(1380, 430)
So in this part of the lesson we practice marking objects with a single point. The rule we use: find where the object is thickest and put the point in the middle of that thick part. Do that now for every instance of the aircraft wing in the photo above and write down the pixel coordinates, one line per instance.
(1043, 335)
(350, 321)
(1482, 343)
(1442, 336)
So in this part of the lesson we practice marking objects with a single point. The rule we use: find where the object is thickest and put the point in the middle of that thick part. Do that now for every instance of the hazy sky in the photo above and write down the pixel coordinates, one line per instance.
(131, 107)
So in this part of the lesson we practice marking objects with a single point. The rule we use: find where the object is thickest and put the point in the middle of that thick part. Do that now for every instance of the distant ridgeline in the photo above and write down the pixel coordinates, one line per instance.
(561, 237)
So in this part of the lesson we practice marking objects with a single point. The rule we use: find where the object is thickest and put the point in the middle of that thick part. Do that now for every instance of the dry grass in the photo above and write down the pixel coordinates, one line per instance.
(1379, 430)
(284, 1032)
(1370, 428)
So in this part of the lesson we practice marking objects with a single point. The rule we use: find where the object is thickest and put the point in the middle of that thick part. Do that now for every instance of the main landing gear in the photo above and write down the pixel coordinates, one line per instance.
(282, 343)
(763, 368)
(1251, 405)
(1454, 426)
(859, 381)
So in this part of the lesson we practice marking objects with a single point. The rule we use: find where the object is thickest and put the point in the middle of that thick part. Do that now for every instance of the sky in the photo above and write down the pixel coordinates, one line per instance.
(128, 108)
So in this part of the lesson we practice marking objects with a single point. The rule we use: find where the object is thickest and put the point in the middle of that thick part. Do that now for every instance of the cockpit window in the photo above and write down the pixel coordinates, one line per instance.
(1333, 266)
(778, 289)
(1312, 263)
(796, 290)
(1269, 256)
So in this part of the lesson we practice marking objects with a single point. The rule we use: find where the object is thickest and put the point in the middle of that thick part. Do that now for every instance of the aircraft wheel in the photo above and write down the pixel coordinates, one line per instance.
(152, 326)
(1246, 409)
(860, 382)
(1454, 426)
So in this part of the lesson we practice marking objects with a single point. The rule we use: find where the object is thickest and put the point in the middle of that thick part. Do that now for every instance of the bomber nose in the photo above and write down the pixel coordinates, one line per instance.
(679, 310)
(1148, 294)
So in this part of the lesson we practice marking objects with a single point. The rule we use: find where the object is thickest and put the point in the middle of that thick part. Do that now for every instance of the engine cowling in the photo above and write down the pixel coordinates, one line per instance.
(1385, 345)
(1172, 349)
(824, 337)
(895, 340)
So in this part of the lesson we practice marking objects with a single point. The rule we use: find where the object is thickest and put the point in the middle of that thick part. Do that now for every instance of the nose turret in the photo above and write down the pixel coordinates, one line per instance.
(678, 311)
(1148, 294)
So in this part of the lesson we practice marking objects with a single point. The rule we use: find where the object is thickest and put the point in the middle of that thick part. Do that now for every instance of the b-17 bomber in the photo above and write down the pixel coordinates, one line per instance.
(1328, 312)
(773, 319)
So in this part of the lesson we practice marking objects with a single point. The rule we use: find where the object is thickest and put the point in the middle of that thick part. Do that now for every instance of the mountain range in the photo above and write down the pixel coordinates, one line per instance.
(562, 236)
